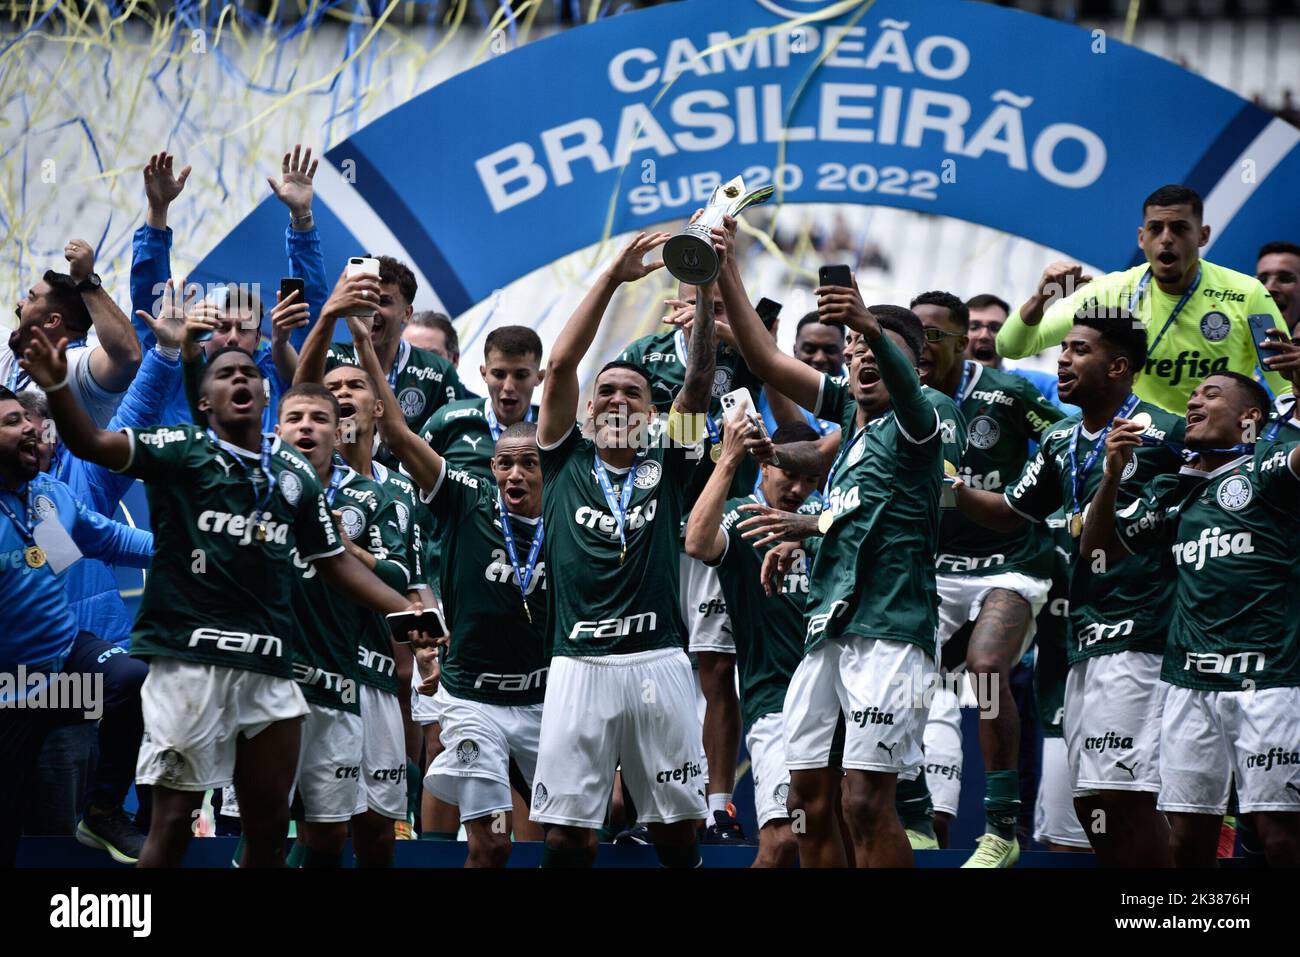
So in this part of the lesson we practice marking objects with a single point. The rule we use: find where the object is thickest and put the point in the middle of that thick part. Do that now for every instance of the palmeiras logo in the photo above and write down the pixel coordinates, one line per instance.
(43, 507)
(403, 517)
(1215, 326)
(647, 475)
(412, 402)
(983, 432)
(781, 793)
(352, 520)
(173, 762)
(721, 382)
(467, 752)
(1234, 493)
(539, 796)
(1129, 469)
(290, 487)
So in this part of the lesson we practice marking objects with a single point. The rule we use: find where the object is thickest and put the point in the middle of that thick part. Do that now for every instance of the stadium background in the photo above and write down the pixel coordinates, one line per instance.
(89, 90)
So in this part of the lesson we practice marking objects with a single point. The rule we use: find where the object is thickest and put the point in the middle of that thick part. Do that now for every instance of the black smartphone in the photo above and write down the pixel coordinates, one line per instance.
(293, 284)
(1260, 323)
(768, 310)
(429, 621)
(835, 276)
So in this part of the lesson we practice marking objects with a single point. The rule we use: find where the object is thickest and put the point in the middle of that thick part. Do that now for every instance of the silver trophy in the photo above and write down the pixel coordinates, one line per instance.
(690, 255)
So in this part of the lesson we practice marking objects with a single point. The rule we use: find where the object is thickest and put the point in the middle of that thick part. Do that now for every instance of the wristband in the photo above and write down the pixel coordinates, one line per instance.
(170, 353)
(47, 389)
(300, 220)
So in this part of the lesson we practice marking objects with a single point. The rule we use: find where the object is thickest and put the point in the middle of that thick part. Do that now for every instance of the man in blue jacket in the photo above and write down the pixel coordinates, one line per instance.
(51, 672)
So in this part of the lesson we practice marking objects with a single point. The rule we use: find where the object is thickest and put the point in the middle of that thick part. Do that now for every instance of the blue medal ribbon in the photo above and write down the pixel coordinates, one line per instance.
(403, 350)
(524, 574)
(965, 381)
(1141, 289)
(337, 475)
(263, 498)
(24, 530)
(1079, 475)
(617, 504)
(494, 424)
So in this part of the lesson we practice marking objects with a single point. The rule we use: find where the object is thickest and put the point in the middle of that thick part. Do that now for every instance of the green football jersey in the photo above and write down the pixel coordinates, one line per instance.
(1210, 334)
(1114, 606)
(1004, 413)
(423, 382)
(600, 605)
(874, 572)
(1052, 633)
(412, 518)
(326, 660)
(768, 630)
(498, 653)
(1232, 534)
(462, 433)
(215, 594)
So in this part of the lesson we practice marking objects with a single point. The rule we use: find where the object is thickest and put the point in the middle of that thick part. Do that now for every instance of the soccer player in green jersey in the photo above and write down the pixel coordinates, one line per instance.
(422, 380)
(996, 582)
(465, 432)
(1230, 519)
(1195, 312)
(332, 763)
(1118, 610)
(229, 505)
(620, 689)
(769, 631)
(871, 618)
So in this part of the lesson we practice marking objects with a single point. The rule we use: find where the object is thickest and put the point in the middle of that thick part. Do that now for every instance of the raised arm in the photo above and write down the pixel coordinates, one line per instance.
(1099, 532)
(151, 244)
(702, 355)
(287, 318)
(704, 537)
(301, 238)
(422, 463)
(1045, 317)
(801, 383)
(46, 363)
(560, 392)
(114, 363)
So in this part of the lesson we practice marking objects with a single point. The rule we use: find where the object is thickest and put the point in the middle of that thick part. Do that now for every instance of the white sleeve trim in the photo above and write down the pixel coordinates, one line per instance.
(821, 394)
(312, 558)
(429, 496)
(558, 442)
(1026, 516)
(928, 437)
(726, 545)
(130, 457)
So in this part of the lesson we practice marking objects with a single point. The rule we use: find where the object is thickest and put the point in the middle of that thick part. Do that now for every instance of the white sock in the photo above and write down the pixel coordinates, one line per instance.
(718, 802)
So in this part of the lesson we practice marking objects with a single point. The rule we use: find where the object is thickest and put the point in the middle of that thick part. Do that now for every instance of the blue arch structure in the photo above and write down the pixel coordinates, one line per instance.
(1018, 122)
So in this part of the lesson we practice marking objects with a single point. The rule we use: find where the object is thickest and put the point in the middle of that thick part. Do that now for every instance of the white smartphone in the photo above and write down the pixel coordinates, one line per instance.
(737, 403)
(429, 621)
(362, 266)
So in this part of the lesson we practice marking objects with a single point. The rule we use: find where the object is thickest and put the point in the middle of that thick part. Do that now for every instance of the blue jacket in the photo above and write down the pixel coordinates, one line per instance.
(91, 585)
(151, 268)
(39, 624)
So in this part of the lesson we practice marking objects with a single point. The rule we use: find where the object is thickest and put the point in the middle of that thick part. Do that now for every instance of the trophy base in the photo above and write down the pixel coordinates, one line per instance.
(691, 259)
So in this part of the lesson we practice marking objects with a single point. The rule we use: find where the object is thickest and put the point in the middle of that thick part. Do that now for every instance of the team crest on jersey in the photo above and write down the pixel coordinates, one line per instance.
(1234, 493)
(403, 518)
(1215, 326)
(983, 432)
(855, 453)
(467, 752)
(539, 796)
(352, 520)
(1129, 470)
(173, 762)
(781, 793)
(290, 487)
(647, 475)
(43, 507)
(412, 402)
(721, 382)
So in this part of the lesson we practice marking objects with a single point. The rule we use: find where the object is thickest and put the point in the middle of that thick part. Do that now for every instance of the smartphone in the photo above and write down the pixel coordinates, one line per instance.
(1260, 323)
(362, 266)
(737, 403)
(768, 310)
(219, 297)
(429, 621)
(835, 276)
(756, 421)
(292, 284)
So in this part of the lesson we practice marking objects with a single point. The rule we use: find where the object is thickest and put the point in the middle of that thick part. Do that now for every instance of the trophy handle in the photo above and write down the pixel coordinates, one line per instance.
(755, 197)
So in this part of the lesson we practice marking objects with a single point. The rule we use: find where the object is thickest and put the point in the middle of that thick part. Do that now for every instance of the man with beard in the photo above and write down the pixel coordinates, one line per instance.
(1278, 267)
(988, 314)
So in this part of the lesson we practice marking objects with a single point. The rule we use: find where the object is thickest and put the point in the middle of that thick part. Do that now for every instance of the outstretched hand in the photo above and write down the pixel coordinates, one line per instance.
(776, 563)
(161, 185)
(295, 189)
(45, 361)
(771, 525)
(627, 265)
(169, 327)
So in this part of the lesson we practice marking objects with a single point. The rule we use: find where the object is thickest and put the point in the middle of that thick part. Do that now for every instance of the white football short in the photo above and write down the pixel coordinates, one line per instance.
(1054, 819)
(1113, 706)
(329, 764)
(943, 754)
(704, 609)
(383, 758)
(962, 596)
(765, 741)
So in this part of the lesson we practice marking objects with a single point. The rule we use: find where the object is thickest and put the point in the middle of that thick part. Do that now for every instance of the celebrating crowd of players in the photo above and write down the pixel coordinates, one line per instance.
(887, 533)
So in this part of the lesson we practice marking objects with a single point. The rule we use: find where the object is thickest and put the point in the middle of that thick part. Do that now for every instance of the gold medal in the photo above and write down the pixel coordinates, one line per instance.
(34, 556)
(528, 612)
(1076, 524)
(622, 554)
(824, 521)
(715, 453)
(259, 531)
